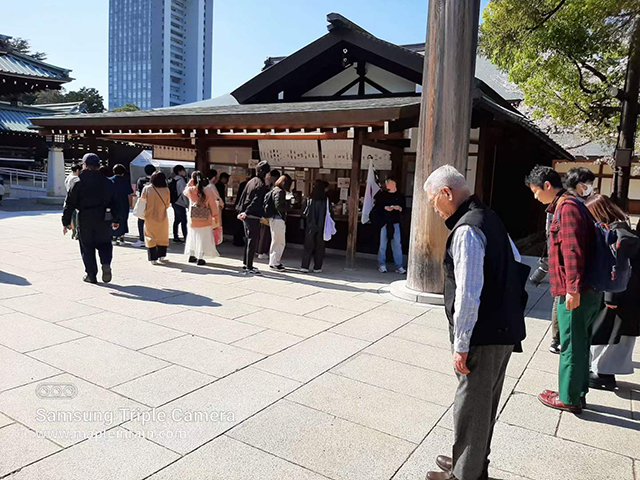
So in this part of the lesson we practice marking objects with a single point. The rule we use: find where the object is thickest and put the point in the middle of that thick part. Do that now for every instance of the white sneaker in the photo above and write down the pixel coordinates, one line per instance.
(382, 269)
(304, 270)
(154, 262)
(401, 271)
(317, 270)
(263, 256)
(139, 243)
(162, 259)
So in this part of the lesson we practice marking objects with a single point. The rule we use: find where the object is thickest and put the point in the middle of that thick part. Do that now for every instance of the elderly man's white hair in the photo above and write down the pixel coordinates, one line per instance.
(445, 176)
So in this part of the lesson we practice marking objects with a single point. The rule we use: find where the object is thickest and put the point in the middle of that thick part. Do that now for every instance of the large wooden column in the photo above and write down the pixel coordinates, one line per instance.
(445, 120)
(354, 194)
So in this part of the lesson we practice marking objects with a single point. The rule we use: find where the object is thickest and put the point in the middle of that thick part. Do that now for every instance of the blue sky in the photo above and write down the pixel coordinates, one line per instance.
(74, 33)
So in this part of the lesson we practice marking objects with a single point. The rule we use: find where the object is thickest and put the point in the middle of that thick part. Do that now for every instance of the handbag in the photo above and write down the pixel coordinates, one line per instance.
(218, 235)
(139, 208)
(198, 211)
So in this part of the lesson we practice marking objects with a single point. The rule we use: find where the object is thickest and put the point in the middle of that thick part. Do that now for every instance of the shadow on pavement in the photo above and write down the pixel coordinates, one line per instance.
(12, 279)
(162, 295)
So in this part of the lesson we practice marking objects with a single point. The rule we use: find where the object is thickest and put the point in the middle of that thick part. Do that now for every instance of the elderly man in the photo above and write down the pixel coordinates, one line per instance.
(484, 302)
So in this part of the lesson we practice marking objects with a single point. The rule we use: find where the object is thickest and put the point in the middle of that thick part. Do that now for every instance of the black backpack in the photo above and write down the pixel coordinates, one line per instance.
(173, 189)
(269, 205)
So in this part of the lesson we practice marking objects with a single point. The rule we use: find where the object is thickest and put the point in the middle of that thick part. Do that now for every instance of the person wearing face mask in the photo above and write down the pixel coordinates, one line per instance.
(579, 181)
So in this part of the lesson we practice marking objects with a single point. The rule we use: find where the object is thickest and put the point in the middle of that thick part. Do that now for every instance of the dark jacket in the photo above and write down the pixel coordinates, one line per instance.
(503, 298)
(387, 199)
(625, 319)
(252, 200)
(222, 190)
(91, 196)
(281, 203)
(315, 212)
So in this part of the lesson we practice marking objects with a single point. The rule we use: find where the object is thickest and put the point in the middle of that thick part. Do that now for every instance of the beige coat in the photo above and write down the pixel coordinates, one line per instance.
(156, 222)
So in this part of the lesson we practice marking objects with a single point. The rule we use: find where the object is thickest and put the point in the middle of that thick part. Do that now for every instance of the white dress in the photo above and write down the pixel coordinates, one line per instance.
(200, 243)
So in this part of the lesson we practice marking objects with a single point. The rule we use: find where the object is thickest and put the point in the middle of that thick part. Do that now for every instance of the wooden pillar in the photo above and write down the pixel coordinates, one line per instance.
(202, 160)
(445, 120)
(354, 194)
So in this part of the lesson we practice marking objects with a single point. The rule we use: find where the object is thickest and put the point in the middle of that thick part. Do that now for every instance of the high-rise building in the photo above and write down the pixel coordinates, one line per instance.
(160, 52)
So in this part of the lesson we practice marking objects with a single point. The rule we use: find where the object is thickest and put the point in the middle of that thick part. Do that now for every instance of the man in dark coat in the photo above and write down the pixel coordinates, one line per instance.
(93, 196)
(250, 208)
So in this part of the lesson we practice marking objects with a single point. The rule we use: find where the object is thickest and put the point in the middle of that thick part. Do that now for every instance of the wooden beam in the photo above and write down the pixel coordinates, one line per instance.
(354, 197)
(382, 146)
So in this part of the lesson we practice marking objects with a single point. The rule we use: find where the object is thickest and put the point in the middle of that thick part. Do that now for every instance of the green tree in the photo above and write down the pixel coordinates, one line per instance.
(564, 55)
(127, 107)
(49, 96)
(20, 45)
(90, 96)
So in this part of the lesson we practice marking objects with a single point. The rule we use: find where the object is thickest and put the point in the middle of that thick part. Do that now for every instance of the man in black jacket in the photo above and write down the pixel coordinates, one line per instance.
(93, 196)
(250, 210)
(390, 203)
(484, 294)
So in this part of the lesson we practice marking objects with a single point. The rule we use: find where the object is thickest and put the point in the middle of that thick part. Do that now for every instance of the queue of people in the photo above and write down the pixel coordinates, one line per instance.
(198, 205)
(595, 304)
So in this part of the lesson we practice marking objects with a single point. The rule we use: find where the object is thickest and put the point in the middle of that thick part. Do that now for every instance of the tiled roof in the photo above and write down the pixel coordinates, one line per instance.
(24, 65)
(15, 118)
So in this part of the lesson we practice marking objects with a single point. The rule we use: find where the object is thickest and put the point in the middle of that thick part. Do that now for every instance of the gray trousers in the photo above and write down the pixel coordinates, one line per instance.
(475, 409)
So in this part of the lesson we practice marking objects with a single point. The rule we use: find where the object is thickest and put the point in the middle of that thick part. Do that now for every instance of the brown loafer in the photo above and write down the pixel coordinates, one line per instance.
(444, 463)
(440, 476)
(553, 401)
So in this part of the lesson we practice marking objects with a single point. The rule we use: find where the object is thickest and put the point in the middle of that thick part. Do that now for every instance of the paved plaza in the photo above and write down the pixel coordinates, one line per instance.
(184, 372)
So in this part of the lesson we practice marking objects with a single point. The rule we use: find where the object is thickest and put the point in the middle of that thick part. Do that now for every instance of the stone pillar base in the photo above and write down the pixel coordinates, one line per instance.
(399, 289)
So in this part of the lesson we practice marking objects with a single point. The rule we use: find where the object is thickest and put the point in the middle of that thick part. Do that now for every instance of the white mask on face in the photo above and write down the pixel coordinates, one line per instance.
(588, 190)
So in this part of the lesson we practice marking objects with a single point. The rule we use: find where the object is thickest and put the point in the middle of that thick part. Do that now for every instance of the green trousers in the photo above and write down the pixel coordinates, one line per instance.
(575, 339)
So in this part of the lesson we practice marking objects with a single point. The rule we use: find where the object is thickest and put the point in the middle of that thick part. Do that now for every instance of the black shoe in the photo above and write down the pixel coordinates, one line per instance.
(555, 346)
(253, 270)
(90, 278)
(106, 273)
(192, 259)
(277, 267)
(177, 240)
(201, 262)
(602, 382)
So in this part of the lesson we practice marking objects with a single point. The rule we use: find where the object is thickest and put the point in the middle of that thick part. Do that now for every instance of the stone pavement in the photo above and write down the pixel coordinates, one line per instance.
(185, 372)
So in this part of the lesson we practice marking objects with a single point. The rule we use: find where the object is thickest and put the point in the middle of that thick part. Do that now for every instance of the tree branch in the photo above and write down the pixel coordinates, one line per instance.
(581, 80)
(547, 16)
(596, 72)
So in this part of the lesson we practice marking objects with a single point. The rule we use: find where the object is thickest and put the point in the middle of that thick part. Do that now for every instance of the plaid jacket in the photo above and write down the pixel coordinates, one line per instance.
(571, 241)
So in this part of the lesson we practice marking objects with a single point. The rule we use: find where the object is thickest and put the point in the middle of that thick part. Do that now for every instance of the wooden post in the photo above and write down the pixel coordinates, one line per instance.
(202, 151)
(354, 194)
(445, 120)
(628, 122)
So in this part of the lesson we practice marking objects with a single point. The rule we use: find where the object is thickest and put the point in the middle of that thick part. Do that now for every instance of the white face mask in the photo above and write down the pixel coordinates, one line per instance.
(587, 191)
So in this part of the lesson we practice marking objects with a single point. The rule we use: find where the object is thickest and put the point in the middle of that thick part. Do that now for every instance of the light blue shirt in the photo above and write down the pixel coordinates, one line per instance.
(468, 250)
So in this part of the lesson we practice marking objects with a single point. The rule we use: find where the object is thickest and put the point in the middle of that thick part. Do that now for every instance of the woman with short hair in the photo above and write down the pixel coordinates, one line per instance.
(122, 202)
(156, 222)
(203, 217)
